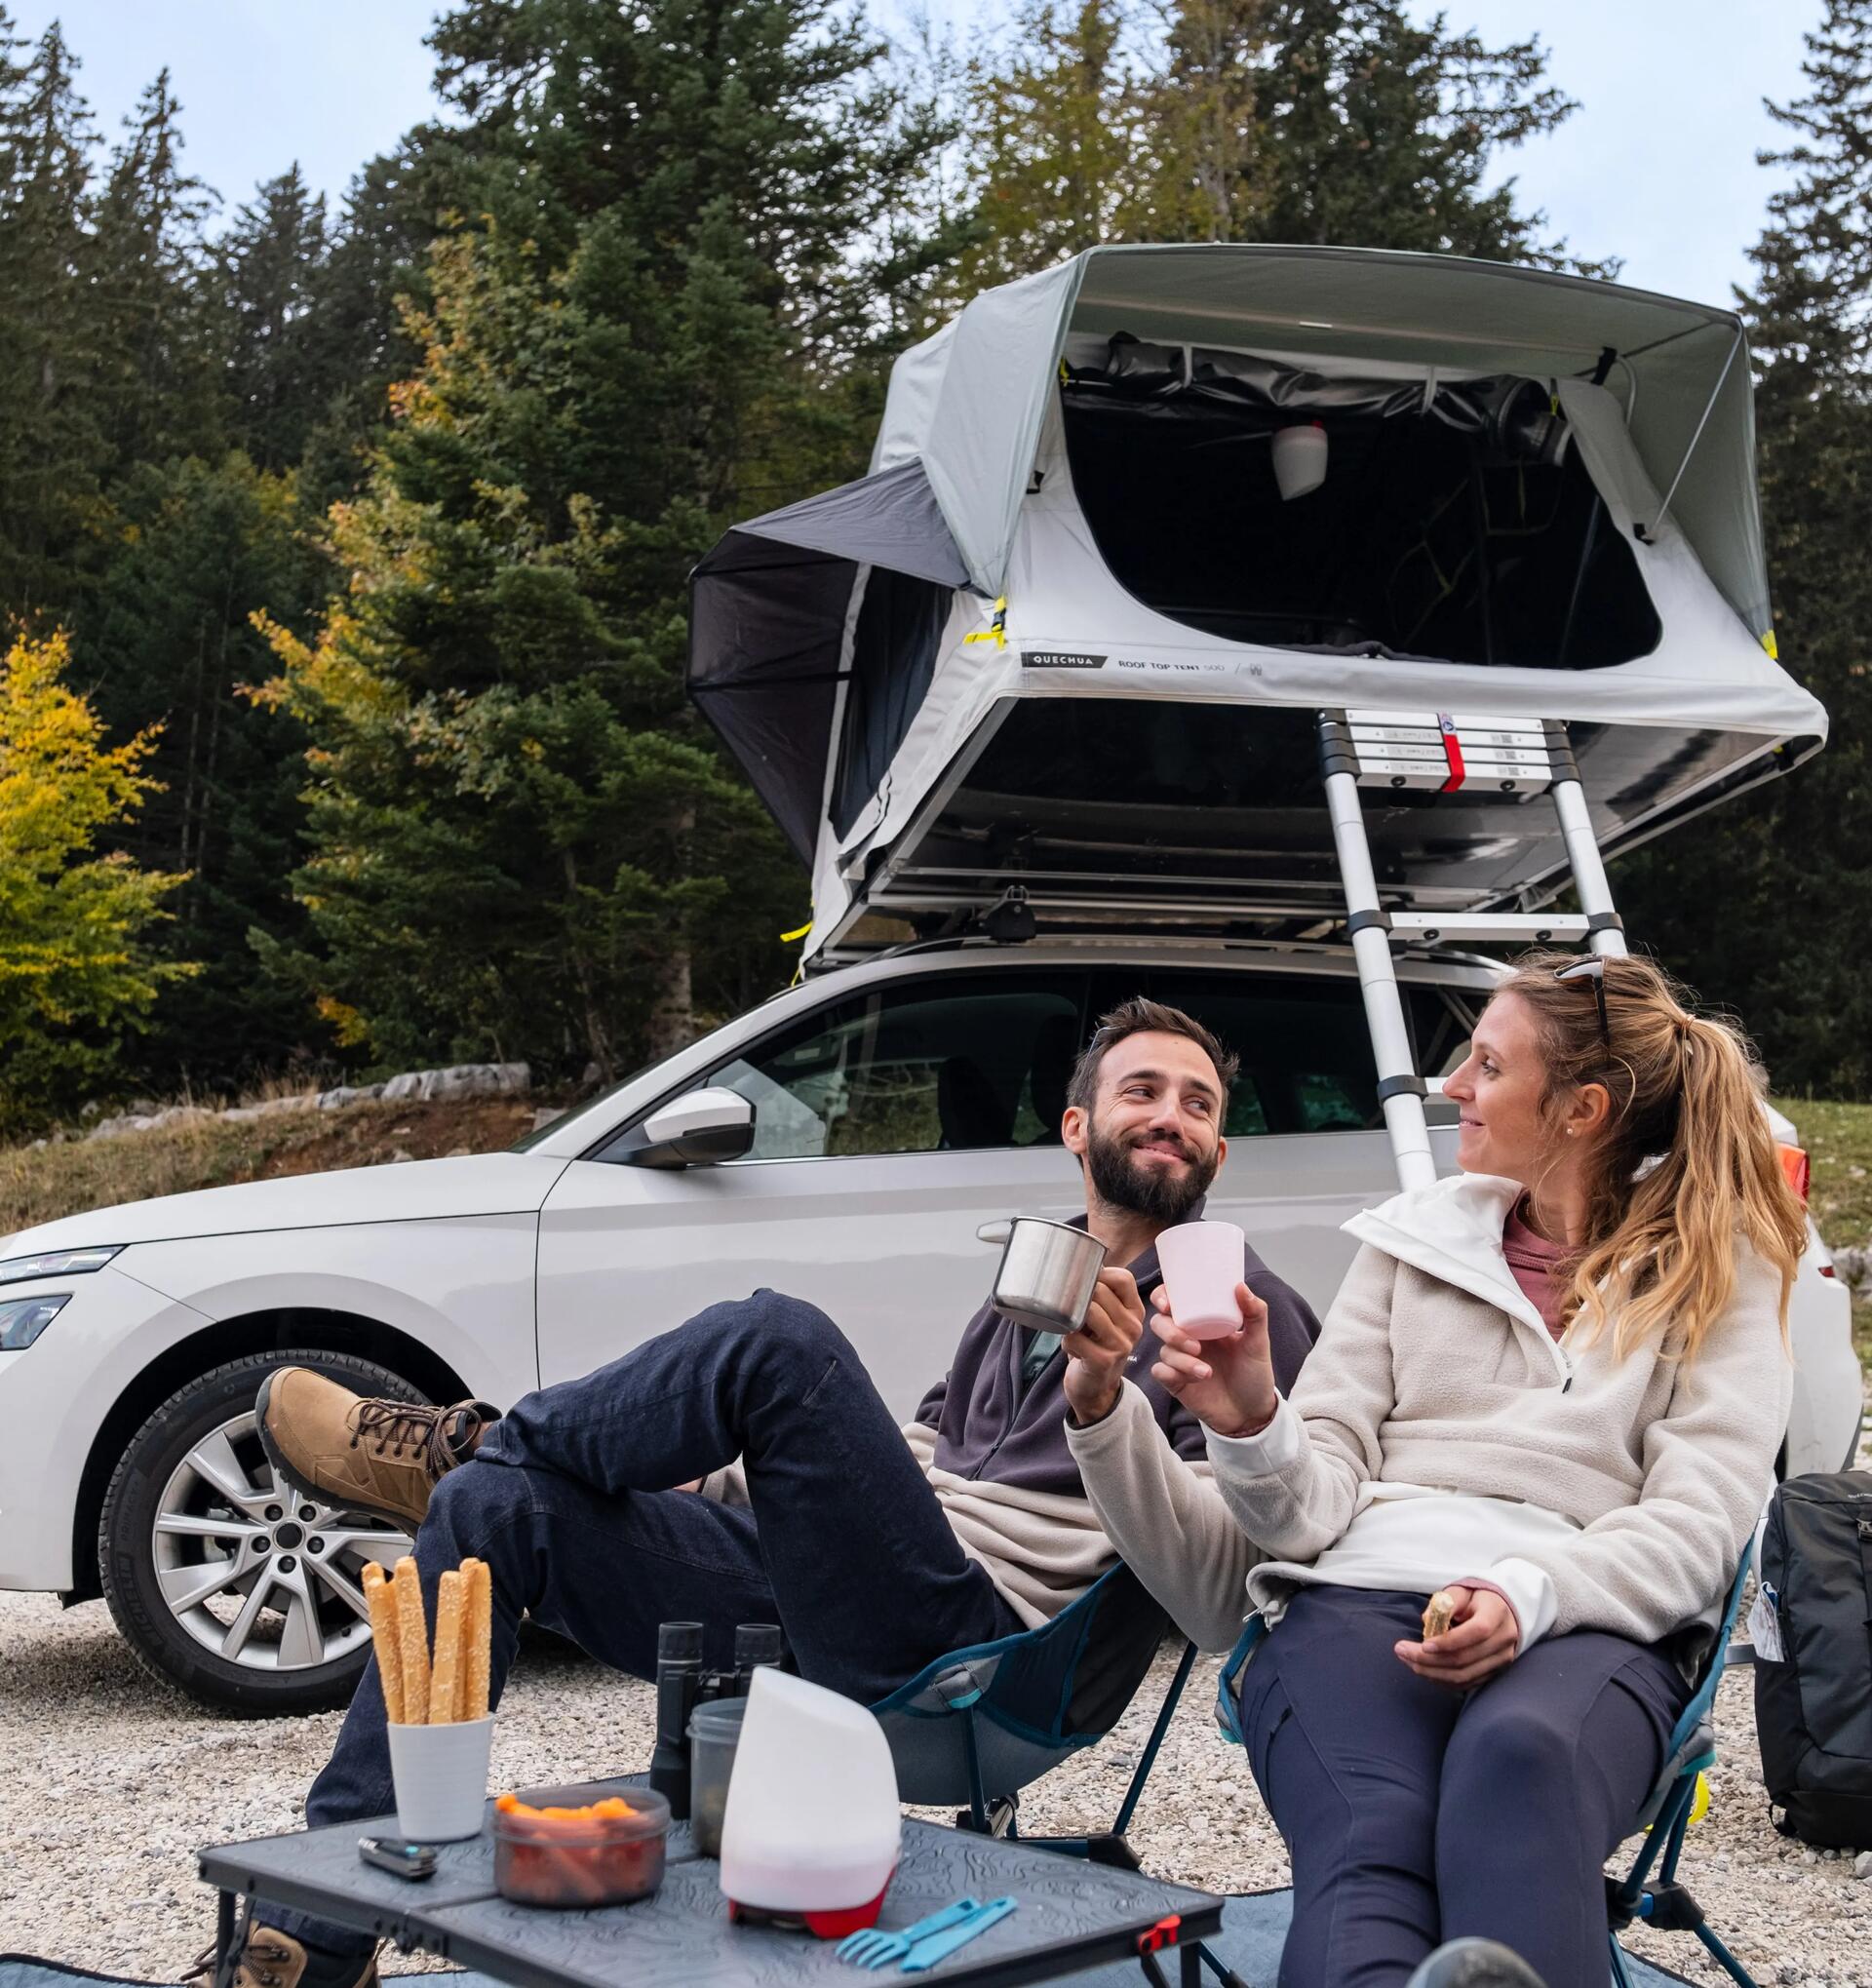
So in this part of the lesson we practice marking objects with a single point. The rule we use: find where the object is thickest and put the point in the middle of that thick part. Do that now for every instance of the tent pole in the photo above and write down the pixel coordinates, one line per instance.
(1479, 514)
(1580, 577)
(1646, 532)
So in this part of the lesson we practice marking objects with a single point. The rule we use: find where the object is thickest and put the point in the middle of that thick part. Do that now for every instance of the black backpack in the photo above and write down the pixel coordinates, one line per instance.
(1813, 1707)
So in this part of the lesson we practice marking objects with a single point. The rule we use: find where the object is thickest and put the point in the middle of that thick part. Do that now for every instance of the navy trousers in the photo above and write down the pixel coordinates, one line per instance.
(844, 1542)
(1414, 1813)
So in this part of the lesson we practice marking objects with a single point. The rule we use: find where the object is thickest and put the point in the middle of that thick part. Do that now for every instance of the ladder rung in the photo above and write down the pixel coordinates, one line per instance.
(1510, 927)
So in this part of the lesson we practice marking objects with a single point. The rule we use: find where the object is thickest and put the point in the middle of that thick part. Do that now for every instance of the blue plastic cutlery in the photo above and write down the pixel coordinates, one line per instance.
(873, 1948)
(938, 1946)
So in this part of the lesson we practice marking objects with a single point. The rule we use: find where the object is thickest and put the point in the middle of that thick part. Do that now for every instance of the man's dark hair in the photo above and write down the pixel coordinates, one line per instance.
(1139, 1017)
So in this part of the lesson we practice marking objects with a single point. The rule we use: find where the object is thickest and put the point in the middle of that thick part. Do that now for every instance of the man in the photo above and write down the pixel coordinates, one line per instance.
(877, 1549)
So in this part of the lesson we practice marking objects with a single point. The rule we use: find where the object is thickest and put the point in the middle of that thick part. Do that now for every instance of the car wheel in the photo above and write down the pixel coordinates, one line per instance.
(231, 1584)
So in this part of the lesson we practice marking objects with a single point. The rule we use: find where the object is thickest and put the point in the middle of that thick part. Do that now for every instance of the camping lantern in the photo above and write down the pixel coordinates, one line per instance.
(813, 1829)
(1299, 459)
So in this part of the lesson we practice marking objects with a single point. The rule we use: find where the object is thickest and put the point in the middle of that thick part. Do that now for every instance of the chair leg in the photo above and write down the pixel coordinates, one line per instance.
(1148, 1759)
(977, 1793)
(1620, 1972)
(1225, 1975)
(1724, 1959)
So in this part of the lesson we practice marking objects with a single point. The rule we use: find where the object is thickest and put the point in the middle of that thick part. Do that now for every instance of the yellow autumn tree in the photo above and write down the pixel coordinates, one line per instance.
(74, 971)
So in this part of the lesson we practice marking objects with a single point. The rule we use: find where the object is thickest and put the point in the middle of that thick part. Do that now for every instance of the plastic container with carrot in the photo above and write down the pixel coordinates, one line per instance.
(580, 1846)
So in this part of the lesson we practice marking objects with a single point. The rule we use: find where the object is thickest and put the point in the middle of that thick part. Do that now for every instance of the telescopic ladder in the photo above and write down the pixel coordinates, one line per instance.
(1444, 753)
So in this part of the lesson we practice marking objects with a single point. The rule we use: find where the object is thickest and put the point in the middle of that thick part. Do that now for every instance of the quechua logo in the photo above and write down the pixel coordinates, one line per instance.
(1060, 659)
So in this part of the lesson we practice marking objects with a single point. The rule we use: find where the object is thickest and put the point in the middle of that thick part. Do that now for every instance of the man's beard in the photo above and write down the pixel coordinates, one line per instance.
(1157, 1193)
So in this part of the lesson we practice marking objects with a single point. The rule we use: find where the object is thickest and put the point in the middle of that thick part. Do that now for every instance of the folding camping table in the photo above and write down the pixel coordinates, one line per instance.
(1074, 1915)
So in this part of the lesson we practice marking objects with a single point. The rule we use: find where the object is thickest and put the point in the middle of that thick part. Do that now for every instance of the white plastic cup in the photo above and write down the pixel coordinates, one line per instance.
(1203, 1262)
(440, 1777)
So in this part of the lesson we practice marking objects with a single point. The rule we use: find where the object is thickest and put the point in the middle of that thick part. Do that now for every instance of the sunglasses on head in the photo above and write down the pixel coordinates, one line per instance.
(1594, 970)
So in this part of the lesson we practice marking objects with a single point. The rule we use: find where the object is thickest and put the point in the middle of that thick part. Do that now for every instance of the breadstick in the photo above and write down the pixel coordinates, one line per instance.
(477, 1581)
(1437, 1613)
(377, 1591)
(413, 1633)
(445, 1679)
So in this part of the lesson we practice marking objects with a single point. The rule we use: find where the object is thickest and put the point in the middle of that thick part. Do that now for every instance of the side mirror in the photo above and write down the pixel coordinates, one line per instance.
(701, 1128)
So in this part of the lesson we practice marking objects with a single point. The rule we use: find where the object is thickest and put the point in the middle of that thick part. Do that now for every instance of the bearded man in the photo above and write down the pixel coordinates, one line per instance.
(743, 1467)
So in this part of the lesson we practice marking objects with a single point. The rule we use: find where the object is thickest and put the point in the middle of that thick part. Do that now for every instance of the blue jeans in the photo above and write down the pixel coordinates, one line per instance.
(1414, 1813)
(844, 1542)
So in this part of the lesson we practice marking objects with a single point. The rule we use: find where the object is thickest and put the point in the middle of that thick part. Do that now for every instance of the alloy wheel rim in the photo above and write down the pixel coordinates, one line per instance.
(253, 1571)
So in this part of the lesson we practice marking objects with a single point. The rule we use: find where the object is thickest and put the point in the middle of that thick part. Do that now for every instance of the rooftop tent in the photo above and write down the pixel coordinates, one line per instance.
(1538, 502)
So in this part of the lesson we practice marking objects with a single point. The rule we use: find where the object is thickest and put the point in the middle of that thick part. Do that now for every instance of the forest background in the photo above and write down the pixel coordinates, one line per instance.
(343, 548)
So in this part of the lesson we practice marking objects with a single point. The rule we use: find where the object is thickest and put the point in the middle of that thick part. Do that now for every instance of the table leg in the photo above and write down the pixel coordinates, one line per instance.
(1190, 1973)
(223, 1939)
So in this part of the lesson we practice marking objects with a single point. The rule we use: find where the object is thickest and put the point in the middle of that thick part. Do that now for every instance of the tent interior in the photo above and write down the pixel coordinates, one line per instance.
(1455, 519)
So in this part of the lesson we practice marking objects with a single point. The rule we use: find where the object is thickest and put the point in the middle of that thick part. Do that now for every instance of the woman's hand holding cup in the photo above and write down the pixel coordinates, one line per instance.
(1226, 1383)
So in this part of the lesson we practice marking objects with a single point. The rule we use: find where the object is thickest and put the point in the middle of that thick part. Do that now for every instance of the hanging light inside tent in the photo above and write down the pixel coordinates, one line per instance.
(1299, 459)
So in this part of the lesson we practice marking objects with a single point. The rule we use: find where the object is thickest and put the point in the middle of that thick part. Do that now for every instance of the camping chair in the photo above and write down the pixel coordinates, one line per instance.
(971, 1729)
(1661, 1902)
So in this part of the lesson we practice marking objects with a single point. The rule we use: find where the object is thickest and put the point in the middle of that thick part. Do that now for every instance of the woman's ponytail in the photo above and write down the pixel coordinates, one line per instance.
(1688, 1163)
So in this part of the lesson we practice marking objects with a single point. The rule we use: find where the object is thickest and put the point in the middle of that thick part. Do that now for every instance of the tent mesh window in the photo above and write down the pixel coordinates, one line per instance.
(1456, 522)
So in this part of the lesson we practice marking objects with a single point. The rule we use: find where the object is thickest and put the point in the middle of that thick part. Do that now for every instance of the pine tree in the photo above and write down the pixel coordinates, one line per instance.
(1208, 149)
(1311, 121)
(1054, 140)
(279, 373)
(160, 376)
(168, 637)
(352, 336)
(1377, 131)
(1792, 867)
(76, 972)
(53, 450)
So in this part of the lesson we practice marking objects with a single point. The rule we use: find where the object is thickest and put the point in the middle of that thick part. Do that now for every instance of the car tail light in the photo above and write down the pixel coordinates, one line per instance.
(1797, 1167)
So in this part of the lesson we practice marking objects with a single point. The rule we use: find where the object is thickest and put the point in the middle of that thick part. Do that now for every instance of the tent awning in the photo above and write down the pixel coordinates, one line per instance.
(784, 617)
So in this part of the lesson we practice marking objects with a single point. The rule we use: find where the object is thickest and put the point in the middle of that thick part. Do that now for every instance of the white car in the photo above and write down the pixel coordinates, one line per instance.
(856, 1132)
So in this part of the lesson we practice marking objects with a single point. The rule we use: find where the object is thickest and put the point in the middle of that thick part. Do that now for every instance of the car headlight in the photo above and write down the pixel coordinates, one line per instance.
(23, 1319)
(57, 1263)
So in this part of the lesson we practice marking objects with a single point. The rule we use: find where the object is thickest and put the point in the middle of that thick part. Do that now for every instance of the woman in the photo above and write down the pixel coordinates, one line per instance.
(1551, 1387)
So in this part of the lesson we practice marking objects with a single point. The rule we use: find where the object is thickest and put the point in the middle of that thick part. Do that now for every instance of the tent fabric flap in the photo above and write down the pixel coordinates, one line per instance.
(821, 619)
(764, 628)
(888, 519)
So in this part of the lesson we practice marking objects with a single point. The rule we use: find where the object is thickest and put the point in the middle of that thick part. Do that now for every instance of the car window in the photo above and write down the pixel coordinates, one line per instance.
(1306, 1054)
(929, 1065)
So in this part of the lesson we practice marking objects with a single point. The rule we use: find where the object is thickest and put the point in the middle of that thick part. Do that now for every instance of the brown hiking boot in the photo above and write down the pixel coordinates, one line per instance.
(383, 1456)
(276, 1960)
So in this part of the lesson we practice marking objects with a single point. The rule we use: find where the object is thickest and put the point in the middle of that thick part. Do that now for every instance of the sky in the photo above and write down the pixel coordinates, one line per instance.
(1658, 166)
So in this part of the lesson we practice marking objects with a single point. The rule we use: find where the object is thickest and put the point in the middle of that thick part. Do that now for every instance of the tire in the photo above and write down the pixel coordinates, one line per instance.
(283, 1631)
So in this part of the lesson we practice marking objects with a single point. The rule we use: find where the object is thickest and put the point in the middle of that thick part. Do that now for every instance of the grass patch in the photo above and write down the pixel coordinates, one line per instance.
(40, 1184)
(1838, 1139)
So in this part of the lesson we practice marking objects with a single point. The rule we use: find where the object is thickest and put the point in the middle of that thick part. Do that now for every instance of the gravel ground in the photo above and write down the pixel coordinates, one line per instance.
(113, 1781)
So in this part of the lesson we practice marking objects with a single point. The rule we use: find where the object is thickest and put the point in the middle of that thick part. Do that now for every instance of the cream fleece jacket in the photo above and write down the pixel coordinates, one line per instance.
(1437, 1434)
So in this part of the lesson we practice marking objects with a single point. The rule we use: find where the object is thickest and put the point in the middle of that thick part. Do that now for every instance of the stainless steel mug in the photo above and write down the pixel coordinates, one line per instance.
(1048, 1271)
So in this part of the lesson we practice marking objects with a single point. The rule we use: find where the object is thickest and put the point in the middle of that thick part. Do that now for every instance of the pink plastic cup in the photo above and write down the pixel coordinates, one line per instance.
(1202, 1264)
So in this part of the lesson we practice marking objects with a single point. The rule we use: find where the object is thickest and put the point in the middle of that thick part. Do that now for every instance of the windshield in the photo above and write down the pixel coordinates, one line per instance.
(592, 1105)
